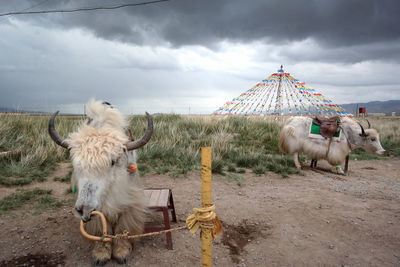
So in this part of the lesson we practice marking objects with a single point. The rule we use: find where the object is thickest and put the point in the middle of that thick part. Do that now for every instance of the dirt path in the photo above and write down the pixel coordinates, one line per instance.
(314, 219)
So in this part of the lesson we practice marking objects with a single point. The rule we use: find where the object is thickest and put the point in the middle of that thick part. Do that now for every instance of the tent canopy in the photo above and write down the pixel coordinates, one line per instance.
(281, 94)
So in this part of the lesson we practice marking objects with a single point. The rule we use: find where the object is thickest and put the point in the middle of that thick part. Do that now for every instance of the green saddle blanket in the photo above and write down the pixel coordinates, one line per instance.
(315, 132)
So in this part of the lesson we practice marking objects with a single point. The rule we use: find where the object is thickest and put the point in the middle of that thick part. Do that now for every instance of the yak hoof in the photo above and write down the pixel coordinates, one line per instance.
(123, 260)
(97, 262)
(338, 171)
(101, 253)
(121, 251)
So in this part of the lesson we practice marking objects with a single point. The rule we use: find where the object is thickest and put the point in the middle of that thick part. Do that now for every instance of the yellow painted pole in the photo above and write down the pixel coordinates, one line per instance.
(206, 237)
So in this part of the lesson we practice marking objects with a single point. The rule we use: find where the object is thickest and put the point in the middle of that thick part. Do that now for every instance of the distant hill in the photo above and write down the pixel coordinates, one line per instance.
(375, 106)
(12, 110)
(7, 109)
(29, 112)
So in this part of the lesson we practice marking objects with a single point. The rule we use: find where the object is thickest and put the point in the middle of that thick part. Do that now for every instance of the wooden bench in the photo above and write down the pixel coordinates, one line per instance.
(160, 199)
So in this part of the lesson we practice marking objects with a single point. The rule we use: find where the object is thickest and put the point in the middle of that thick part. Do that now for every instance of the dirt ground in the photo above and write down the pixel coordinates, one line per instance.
(314, 219)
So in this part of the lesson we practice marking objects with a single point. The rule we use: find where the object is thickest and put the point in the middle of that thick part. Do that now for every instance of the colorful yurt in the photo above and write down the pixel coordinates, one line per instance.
(281, 94)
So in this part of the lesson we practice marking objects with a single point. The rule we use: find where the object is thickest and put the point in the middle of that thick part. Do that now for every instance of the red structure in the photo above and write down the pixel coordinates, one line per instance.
(362, 111)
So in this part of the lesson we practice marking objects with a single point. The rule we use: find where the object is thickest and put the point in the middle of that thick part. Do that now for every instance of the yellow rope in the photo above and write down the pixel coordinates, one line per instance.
(125, 234)
(204, 218)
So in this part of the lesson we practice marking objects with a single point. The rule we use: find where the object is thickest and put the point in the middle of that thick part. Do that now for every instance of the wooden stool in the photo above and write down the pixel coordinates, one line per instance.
(160, 199)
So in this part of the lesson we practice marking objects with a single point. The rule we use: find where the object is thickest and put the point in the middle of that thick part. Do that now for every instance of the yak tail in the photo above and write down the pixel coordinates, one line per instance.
(287, 132)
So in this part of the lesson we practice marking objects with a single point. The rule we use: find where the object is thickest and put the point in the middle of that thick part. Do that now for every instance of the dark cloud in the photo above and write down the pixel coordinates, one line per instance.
(309, 50)
(160, 56)
(206, 22)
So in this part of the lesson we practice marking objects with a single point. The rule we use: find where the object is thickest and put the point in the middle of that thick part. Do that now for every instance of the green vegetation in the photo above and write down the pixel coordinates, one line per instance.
(259, 170)
(231, 168)
(39, 154)
(241, 170)
(237, 142)
(388, 128)
(68, 190)
(65, 179)
(37, 199)
(240, 145)
(234, 178)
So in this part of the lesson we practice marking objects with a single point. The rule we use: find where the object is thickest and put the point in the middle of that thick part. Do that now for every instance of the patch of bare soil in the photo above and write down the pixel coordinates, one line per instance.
(35, 260)
(314, 219)
(236, 237)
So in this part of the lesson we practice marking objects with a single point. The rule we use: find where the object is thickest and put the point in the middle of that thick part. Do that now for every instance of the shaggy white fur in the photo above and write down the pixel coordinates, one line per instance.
(294, 139)
(99, 158)
(93, 149)
(104, 116)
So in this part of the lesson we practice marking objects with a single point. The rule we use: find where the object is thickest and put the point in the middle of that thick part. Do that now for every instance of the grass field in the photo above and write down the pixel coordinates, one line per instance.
(39, 200)
(240, 144)
(39, 153)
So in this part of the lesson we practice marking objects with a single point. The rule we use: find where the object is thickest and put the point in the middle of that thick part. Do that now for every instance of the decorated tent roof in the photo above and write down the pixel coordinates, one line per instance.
(281, 94)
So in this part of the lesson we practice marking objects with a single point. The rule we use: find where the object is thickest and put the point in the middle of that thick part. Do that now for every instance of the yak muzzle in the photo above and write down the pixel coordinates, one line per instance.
(83, 212)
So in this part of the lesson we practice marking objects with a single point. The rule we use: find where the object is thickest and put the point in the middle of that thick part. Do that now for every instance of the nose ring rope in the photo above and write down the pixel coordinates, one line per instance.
(103, 223)
(202, 218)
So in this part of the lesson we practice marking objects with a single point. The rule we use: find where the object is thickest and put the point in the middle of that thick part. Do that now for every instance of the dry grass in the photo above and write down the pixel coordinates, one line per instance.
(238, 143)
(388, 128)
(241, 142)
(39, 154)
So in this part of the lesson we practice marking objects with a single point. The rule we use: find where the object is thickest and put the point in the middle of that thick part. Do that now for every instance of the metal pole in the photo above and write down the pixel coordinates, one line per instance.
(279, 92)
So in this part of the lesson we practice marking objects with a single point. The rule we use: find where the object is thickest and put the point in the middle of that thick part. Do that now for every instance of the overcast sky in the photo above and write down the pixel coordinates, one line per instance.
(194, 55)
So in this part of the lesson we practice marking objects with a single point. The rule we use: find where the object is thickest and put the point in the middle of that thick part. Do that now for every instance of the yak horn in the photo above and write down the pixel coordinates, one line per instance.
(362, 130)
(147, 135)
(369, 124)
(53, 133)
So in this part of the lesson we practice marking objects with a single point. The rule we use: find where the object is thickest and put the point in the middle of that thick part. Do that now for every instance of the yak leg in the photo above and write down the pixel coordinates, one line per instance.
(121, 251)
(122, 248)
(346, 164)
(313, 163)
(296, 159)
(338, 169)
(132, 221)
(101, 253)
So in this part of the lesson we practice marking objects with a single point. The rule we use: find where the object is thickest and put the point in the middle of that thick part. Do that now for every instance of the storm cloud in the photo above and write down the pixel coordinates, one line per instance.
(207, 22)
(166, 53)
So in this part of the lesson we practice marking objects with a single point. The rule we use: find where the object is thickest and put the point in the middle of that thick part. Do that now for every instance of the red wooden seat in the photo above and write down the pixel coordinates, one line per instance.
(160, 199)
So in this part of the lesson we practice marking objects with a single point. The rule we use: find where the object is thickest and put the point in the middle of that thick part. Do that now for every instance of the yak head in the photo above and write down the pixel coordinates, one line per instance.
(98, 151)
(371, 141)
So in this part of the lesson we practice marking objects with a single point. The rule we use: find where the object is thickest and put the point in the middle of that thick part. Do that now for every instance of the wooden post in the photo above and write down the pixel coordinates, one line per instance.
(6, 153)
(206, 237)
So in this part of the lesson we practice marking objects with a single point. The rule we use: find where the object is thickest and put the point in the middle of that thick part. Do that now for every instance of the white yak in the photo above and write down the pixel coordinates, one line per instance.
(99, 152)
(294, 139)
